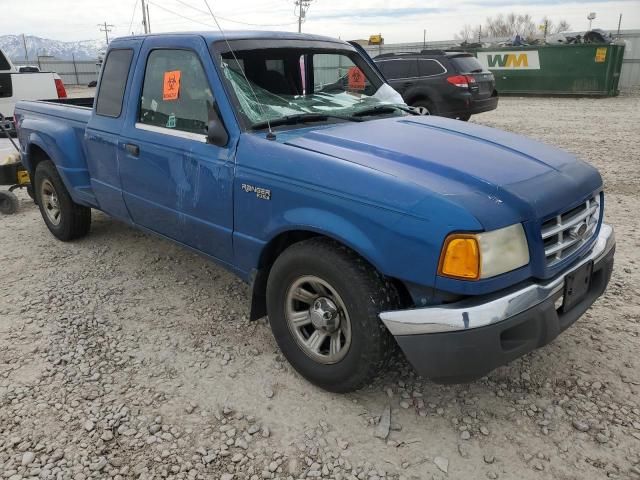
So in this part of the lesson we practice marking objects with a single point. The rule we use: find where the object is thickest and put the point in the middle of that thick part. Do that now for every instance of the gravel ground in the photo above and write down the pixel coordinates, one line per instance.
(124, 356)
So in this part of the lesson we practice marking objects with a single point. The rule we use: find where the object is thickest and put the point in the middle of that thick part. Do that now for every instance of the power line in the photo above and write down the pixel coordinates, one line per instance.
(106, 30)
(217, 16)
(179, 15)
(133, 14)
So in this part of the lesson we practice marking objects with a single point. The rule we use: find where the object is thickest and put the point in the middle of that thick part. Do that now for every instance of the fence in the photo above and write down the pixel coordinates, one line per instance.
(72, 72)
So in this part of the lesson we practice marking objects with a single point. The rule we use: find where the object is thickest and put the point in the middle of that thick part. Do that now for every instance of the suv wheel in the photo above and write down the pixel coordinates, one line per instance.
(423, 107)
(323, 302)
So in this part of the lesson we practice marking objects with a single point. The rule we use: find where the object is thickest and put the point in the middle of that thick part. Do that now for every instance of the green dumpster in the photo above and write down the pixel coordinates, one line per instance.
(582, 69)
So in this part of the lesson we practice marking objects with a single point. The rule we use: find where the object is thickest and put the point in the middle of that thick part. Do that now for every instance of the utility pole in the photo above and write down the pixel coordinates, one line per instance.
(424, 38)
(303, 6)
(26, 53)
(148, 19)
(145, 24)
(480, 34)
(106, 28)
(619, 23)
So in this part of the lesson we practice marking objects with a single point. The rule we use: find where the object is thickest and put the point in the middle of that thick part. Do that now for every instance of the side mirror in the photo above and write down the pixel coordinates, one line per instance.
(216, 133)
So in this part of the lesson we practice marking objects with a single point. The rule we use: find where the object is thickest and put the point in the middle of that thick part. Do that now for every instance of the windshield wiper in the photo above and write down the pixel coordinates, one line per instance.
(300, 118)
(382, 109)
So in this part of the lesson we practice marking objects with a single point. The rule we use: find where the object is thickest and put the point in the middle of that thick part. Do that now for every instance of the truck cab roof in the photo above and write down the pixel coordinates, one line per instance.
(214, 36)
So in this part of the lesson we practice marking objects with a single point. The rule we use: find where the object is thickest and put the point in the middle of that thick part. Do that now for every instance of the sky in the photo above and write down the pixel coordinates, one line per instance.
(398, 21)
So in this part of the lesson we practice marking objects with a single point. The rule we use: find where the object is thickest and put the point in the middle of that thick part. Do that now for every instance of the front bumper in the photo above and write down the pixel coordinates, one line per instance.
(465, 340)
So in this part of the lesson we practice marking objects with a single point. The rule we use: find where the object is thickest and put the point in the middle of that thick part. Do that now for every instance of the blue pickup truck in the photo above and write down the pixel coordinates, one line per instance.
(358, 225)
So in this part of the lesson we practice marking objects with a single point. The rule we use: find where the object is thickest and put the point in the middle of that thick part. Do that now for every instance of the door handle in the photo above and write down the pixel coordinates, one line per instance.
(132, 149)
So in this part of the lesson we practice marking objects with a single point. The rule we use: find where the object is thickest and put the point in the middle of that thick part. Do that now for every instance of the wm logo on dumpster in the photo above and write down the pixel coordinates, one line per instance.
(525, 60)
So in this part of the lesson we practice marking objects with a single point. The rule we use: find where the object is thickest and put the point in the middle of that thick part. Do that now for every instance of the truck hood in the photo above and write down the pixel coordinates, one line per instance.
(480, 168)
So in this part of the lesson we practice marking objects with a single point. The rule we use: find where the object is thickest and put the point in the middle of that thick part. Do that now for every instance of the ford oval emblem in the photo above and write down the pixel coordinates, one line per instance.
(579, 231)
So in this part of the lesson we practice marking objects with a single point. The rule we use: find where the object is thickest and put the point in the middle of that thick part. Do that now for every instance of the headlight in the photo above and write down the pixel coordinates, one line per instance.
(484, 255)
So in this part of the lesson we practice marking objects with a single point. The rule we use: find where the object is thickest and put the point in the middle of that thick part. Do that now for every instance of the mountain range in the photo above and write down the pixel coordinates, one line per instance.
(13, 47)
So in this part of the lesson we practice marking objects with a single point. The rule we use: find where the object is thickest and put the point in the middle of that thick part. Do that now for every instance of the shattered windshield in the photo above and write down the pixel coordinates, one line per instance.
(274, 84)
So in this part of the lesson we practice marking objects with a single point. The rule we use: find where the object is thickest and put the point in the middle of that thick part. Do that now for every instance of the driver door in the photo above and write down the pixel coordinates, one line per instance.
(174, 182)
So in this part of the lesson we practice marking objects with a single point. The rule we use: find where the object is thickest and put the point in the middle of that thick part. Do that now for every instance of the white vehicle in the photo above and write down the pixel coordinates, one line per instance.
(16, 85)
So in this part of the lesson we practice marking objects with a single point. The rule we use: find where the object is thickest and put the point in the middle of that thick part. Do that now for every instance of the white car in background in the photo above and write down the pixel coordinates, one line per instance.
(16, 85)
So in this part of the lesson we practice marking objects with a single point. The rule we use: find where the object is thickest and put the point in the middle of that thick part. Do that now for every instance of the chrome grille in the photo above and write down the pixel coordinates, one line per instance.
(564, 234)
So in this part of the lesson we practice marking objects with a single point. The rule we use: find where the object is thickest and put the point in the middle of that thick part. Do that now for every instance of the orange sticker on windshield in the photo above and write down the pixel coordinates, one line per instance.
(356, 79)
(171, 85)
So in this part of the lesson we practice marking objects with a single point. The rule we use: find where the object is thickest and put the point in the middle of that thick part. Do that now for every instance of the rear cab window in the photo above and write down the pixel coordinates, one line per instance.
(466, 64)
(175, 94)
(113, 82)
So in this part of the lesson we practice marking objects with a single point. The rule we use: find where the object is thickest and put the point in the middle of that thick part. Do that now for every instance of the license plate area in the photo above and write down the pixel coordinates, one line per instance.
(576, 286)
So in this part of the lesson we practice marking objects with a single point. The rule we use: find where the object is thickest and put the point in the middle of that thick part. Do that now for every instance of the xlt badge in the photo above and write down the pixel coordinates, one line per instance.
(261, 193)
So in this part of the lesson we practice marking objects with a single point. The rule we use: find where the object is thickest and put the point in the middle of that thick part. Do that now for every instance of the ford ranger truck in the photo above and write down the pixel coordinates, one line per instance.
(358, 225)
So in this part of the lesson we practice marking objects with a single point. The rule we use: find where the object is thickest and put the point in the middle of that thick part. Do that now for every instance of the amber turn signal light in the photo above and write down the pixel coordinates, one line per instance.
(460, 257)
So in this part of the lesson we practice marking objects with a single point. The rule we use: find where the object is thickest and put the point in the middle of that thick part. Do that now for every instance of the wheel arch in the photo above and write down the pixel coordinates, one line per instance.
(423, 93)
(36, 155)
(283, 240)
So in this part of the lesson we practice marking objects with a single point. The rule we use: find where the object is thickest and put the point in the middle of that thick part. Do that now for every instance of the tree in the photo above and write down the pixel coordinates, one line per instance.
(469, 34)
(552, 27)
(510, 25)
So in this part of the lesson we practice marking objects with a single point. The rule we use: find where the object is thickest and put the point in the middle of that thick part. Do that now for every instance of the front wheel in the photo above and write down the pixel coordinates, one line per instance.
(64, 218)
(323, 302)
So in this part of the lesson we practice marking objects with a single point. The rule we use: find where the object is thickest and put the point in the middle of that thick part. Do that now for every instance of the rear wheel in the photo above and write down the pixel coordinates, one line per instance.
(465, 117)
(323, 302)
(423, 107)
(65, 219)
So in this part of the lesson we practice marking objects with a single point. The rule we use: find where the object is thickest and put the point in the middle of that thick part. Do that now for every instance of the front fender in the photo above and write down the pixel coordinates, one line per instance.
(397, 245)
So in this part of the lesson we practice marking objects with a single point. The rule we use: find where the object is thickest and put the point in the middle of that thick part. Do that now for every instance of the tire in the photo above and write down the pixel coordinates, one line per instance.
(336, 277)
(65, 219)
(31, 193)
(424, 107)
(465, 117)
(8, 203)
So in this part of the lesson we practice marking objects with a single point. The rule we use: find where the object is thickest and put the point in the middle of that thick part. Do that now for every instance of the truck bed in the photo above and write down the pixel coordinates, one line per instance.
(73, 109)
(86, 102)
(62, 125)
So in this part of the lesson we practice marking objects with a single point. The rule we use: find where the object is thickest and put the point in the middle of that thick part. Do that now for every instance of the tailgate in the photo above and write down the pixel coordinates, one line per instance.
(469, 65)
(486, 84)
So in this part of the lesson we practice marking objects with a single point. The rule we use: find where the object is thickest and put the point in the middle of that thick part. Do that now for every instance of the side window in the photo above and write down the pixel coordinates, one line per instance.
(176, 92)
(400, 68)
(4, 63)
(113, 83)
(428, 68)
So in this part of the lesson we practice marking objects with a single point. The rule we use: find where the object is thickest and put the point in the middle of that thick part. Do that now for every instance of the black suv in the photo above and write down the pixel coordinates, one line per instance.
(434, 82)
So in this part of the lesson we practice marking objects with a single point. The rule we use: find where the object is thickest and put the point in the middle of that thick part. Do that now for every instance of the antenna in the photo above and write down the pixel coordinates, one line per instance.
(270, 135)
